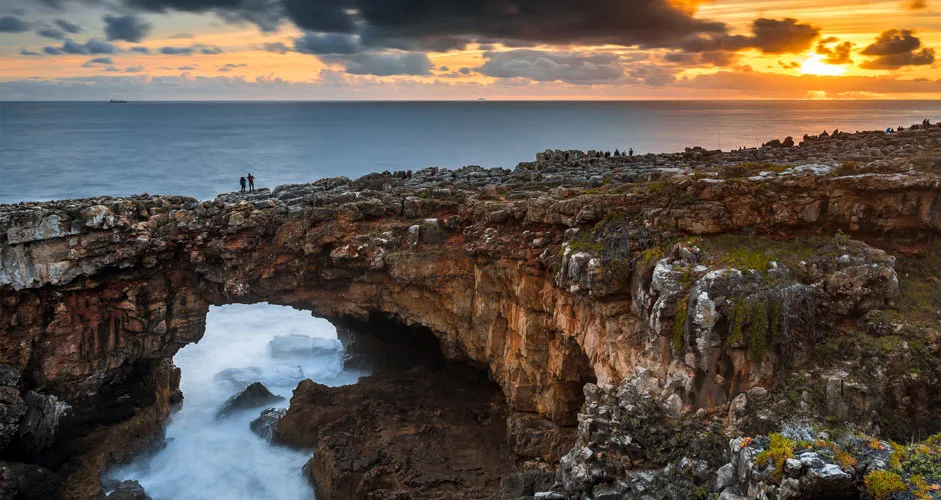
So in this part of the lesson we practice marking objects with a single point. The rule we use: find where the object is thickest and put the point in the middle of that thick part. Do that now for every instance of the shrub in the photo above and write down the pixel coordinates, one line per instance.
(780, 449)
(882, 483)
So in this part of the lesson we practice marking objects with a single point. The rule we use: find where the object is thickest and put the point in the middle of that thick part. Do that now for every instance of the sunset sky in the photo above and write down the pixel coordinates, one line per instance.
(468, 49)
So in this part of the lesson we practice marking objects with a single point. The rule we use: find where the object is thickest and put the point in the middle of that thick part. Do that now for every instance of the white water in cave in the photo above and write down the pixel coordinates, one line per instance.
(209, 459)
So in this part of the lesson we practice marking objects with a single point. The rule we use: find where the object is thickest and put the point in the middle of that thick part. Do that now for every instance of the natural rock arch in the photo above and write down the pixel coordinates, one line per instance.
(97, 295)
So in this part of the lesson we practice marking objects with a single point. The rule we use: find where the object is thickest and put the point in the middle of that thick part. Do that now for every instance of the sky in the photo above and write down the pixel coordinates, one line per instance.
(469, 49)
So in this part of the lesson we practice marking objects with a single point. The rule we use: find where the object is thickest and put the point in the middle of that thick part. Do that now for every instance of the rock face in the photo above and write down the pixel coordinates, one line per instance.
(415, 434)
(714, 272)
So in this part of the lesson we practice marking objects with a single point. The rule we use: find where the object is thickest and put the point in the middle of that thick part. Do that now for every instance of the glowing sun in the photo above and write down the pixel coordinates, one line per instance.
(814, 65)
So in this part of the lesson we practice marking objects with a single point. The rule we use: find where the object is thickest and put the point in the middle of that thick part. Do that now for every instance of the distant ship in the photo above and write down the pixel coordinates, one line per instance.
(117, 101)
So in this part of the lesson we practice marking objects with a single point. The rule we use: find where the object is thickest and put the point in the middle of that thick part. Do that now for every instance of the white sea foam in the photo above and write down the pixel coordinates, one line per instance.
(209, 459)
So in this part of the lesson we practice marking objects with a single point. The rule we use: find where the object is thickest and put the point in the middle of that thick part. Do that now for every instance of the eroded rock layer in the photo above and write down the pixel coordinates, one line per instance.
(710, 273)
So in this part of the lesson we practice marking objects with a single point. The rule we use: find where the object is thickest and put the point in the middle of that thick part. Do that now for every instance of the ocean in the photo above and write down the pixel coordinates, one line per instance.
(58, 150)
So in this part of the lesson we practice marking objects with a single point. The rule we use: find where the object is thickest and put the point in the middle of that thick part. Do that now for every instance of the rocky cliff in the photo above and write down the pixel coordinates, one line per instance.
(805, 272)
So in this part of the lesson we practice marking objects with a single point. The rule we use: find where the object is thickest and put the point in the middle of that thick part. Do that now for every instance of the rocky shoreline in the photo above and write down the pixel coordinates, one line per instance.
(760, 323)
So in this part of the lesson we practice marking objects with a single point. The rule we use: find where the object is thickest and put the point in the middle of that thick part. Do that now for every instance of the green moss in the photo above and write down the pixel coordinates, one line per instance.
(737, 322)
(881, 484)
(679, 322)
(776, 318)
(780, 449)
(919, 291)
(758, 331)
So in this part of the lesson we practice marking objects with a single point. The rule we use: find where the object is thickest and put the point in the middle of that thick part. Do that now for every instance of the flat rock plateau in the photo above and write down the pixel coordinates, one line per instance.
(761, 323)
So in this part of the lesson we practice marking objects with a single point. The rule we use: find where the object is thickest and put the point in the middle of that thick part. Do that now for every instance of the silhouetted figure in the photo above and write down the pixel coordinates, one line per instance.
(242, 183)
(630, 152)
(617, 152)
(251, 182)
(900, 129)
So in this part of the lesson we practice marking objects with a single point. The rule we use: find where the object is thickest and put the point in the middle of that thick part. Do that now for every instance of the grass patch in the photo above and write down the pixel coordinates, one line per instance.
(756, 252)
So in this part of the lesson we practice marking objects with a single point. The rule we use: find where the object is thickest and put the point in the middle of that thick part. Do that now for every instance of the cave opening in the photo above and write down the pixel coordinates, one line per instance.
(204, 455)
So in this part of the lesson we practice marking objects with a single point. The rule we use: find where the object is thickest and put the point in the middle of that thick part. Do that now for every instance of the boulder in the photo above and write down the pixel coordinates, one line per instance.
(128, 490)
(40, 423)
(266, 425)
(27, 482)
(253, 396)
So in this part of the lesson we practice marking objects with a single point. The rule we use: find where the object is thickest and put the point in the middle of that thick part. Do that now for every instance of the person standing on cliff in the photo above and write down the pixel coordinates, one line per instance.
(251, 182)
(630, 152)
(242, 183)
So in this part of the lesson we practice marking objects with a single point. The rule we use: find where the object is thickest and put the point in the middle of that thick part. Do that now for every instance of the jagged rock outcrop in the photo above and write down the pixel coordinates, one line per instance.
(570, 270)
(420, 434)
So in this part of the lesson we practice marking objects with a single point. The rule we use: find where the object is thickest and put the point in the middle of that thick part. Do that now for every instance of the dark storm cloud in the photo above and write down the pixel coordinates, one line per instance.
(621, 22)
(52, 33)
(327, 43)
(770, 36)
(129, 28)
(439, 25)
(780, 36)
(267, 14)
(895, 49)
(277, 47)
(383, 63)
(837, 54)
(68, 27)
(13, 24)
(93, 46)
(543, 66)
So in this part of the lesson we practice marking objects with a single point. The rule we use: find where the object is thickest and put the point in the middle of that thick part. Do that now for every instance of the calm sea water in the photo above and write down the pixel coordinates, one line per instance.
(200, 149)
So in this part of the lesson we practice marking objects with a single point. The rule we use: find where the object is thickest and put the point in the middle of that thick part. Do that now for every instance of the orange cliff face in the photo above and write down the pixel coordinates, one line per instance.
(549, 287)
